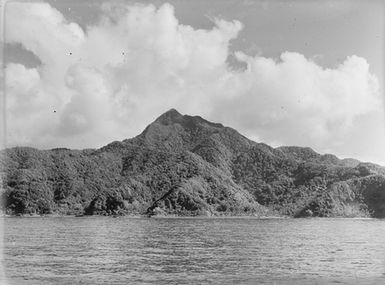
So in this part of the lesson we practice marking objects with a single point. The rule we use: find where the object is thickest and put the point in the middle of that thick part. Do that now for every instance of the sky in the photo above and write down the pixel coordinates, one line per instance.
(82, 74)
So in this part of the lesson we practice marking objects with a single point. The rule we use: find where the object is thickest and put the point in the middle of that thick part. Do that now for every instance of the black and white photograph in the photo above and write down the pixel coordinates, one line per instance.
(192, 142)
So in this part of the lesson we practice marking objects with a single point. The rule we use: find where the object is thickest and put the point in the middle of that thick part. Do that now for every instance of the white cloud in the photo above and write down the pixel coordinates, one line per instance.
(294, 99)
(109, 81)
(89, 107)
(27, 104)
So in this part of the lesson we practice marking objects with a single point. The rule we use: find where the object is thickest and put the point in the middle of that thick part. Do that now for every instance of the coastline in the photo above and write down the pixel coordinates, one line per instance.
(137, 216)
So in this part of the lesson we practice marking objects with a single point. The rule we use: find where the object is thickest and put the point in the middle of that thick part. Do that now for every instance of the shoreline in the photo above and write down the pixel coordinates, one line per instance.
(184, 217)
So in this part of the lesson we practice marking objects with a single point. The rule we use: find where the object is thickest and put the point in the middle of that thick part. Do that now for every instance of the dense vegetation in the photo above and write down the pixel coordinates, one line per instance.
(185, 165)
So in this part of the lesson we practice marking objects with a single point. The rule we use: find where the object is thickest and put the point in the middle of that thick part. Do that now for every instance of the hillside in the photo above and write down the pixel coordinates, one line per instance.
(186, 165)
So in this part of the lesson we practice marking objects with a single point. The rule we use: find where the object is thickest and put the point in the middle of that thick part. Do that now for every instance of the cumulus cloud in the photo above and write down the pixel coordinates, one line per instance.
(108, 81)
(295, 98)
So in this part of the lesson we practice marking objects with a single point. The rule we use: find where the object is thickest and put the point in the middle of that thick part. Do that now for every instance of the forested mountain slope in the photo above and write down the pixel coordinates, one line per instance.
(185, 165)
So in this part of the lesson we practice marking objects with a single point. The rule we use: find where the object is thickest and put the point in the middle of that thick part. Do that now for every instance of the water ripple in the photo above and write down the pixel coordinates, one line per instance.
(102, 250)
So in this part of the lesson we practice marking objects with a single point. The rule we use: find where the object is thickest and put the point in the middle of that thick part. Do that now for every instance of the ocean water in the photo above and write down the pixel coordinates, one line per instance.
(127, 250)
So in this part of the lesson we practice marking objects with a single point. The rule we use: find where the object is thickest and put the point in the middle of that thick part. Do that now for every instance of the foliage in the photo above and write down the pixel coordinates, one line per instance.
(183, 165)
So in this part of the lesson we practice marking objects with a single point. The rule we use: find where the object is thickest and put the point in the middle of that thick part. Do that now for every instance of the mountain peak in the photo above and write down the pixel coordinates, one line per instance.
(172, 112)
(171, 116)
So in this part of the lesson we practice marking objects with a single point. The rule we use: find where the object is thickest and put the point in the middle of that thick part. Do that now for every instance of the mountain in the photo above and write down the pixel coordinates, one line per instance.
(186, 165)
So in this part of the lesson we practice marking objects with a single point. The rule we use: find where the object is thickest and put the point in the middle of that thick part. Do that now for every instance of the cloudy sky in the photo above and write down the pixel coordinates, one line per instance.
(81, 74)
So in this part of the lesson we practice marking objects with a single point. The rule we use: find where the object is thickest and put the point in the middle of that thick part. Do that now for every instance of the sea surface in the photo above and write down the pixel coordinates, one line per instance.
(127, 250)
